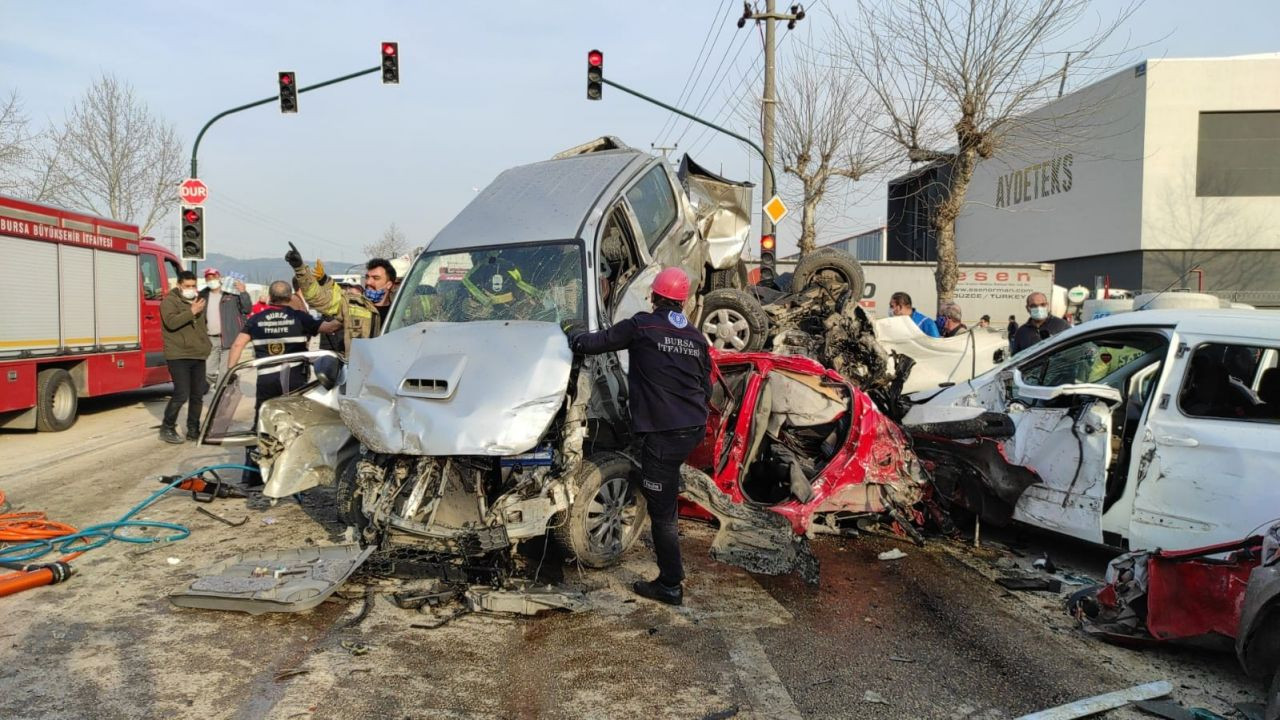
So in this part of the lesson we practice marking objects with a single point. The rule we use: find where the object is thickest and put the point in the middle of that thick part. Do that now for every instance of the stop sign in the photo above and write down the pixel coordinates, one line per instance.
(193, 192)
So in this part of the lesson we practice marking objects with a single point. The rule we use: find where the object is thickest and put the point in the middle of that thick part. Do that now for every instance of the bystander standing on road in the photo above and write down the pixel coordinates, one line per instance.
(1041, 324)
(1011, 330)
(186, 348)
(951, 320)
(228, 309)
(669, 383)
(900, 304)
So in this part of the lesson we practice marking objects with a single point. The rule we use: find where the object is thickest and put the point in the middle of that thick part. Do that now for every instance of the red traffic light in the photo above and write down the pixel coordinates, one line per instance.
(191, 216)
(595, 58)
(286, 79)
(766, 242)
(388, 48)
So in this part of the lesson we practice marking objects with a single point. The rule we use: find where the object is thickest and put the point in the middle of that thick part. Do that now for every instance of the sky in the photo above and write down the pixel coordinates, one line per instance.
(484, 87)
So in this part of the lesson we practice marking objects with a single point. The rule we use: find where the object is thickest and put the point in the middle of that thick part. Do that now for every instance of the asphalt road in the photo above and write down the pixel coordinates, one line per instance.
(927, 636)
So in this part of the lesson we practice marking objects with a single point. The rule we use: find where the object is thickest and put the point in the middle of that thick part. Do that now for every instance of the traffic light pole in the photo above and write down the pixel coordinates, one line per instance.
(195, 148)
(768, 165)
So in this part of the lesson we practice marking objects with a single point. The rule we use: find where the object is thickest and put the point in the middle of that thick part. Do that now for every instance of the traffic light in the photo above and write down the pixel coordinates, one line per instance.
(288, 92)
(768, 263)
(595, 74)
(390, 63)
(193, 233)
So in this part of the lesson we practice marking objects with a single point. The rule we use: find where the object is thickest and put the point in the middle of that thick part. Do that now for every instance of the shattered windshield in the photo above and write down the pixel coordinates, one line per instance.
(541, 281)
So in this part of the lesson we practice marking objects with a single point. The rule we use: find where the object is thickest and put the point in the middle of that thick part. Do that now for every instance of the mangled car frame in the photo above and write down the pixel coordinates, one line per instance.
(1151, 429)
(472, 426)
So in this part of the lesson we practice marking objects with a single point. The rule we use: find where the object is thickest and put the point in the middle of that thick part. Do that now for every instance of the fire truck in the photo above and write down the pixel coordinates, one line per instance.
(79, 312)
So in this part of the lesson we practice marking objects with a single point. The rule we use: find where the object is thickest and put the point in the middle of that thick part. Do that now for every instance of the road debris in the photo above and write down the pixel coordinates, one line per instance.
(219, 518)
(894, 554)
(872, 696)
(356, 648)
(1045, 563)
(1101, 703)
(173, 560)
(1021, 582)
(290, 673)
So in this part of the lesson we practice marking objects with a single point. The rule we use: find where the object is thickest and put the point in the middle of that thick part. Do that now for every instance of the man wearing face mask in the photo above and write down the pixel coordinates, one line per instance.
(1041, 325)
(228, 309)
(380, 285)
(186, 347)
(358, 315)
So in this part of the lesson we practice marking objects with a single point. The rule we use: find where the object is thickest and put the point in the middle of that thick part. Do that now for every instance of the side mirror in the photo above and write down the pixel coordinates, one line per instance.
(329, 371)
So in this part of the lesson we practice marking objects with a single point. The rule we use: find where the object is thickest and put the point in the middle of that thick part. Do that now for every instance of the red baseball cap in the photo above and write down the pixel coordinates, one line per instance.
(211, 271)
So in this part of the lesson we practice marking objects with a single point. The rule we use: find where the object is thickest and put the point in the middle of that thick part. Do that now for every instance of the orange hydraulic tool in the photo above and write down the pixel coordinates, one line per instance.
(25, 526)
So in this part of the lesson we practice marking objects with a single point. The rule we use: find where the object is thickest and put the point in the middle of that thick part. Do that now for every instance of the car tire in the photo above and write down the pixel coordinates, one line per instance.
(734, 277)
(823, 261)
(733, 320)
(56, 400)
(988, 425)
(348, 498)
(607, 514)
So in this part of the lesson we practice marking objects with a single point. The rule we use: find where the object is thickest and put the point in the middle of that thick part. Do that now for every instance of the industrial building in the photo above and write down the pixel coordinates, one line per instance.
(1166, 174)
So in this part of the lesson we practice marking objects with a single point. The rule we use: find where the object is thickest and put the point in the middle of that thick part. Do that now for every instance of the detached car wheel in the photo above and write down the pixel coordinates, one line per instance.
(56, 400)
(733, 320)
(830, 263)
(606, 516)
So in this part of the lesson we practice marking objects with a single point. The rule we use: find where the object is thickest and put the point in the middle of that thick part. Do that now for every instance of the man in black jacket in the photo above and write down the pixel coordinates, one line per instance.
(669, 383)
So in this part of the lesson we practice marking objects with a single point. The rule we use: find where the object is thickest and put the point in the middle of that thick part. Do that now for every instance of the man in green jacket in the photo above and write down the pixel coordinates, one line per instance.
(186, 347)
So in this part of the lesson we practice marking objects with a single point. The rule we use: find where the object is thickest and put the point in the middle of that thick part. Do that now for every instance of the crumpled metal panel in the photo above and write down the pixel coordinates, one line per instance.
(511, 387)
(311, 435)
(722, 209)
(939, 360)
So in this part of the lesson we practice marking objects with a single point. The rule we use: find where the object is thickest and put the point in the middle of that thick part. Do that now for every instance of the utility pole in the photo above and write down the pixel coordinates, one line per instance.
(770, 99)
(665, 149)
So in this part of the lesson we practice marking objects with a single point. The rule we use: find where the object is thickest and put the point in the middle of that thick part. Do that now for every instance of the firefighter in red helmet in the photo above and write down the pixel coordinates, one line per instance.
(669, 383)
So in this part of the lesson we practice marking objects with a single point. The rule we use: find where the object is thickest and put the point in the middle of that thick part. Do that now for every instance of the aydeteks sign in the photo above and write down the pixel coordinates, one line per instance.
(1034, 182)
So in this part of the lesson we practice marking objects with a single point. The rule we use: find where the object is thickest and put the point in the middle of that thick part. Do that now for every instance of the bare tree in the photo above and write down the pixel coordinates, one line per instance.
(956, 77)
(393, 243)
(825, 133)
(16, 144)
(113, 157)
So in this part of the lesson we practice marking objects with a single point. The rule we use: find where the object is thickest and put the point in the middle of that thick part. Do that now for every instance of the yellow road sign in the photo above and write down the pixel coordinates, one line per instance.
(775, 209)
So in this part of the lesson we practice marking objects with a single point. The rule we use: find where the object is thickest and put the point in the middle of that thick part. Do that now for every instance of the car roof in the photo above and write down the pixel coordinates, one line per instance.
(1211, 321)
(548, 200)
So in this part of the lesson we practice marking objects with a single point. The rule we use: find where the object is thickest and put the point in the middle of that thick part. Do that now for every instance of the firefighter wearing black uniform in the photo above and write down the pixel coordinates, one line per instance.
(669, 381)
(278, 330)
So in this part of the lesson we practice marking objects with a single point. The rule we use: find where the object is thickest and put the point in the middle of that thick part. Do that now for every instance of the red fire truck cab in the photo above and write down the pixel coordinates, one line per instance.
(79, 312)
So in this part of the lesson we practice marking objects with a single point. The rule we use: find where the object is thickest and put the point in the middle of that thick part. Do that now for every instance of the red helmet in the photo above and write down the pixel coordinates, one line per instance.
(672, 283)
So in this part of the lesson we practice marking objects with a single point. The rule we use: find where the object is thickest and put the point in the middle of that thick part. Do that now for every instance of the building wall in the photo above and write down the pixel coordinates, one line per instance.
(1066, 181)
(1174, 217)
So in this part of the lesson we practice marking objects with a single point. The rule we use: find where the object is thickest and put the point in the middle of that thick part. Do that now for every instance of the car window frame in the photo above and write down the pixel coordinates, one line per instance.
(1060, 346)
(1186, 376)
(652, 245)
(583, 266)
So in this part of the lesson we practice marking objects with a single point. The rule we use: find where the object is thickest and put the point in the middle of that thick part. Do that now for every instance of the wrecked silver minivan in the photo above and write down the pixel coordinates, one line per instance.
(472, 426)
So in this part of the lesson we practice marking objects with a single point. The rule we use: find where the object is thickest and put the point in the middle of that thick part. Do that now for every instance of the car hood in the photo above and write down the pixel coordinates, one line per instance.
(477, 388)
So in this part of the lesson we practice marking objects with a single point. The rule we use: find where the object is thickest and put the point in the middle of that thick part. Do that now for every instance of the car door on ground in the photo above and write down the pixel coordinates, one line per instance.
(1208, 458)
(1070, 410)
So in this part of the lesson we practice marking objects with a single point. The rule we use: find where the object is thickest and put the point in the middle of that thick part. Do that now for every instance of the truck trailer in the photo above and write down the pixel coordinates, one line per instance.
(81, 312)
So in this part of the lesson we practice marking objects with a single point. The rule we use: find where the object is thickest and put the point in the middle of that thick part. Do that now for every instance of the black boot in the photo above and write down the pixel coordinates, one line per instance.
(170, 435)
(656, 590)
(193, 433)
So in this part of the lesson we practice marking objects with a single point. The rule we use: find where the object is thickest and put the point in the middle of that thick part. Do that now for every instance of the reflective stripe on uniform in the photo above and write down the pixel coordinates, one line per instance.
(284, 339)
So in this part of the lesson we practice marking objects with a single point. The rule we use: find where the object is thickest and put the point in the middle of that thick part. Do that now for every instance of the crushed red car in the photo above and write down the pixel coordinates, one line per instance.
(792, 448)
(1223, 597)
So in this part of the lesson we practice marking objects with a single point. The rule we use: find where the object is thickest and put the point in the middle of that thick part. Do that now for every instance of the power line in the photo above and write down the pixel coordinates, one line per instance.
(701, 69)
(696, 64)
(712, 85)
(735, 101)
